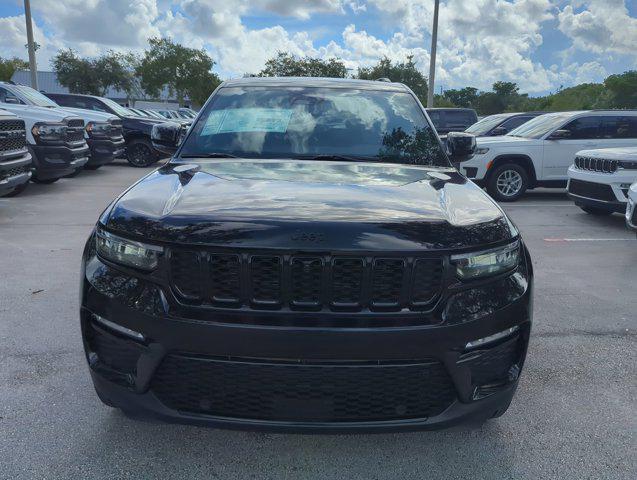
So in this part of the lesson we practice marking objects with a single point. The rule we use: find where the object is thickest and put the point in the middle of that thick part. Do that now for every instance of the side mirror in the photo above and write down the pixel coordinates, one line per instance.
(461, 146)
(560, 134)
(12, 101)
(497, 131)
(167, 137)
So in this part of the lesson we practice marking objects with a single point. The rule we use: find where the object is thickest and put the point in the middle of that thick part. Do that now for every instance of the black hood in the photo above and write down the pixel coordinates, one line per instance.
(310, 205)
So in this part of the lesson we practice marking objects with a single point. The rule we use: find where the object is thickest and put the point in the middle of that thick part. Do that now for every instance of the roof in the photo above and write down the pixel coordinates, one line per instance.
(316, 82)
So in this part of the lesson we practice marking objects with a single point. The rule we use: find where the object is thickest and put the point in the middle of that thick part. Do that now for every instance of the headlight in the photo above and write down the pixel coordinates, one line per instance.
(481, 150)
(49, 131)
(488, 262)
(630, 208)
(127, 252)
(97, 129)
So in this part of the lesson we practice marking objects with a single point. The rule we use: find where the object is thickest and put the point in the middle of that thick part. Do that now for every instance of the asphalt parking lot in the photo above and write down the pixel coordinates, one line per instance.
(574, 416)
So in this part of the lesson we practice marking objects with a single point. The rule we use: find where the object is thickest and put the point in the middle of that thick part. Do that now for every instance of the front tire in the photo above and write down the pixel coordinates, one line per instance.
(508, 182)
(595, 210)
(91, 167)
(140, 153)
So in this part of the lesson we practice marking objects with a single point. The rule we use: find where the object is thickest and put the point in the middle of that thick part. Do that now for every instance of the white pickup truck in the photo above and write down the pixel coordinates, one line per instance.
(540, 152)
(57, 136)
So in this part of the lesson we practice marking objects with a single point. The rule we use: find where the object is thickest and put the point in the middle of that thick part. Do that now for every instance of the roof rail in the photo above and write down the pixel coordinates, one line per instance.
(383, 79)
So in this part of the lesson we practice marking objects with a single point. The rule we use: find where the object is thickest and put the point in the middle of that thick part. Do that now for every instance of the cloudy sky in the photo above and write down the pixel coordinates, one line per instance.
(540, 44)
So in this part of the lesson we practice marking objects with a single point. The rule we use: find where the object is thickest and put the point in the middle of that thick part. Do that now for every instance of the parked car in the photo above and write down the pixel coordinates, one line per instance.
(187, 112)
(500, 124)
(154, 114)
(139, 149)
(103, 132)
(631, 208)
(55, 136)
(598, 180)
(15, 159)
(452, 119)
(304, 262)
(540, 152)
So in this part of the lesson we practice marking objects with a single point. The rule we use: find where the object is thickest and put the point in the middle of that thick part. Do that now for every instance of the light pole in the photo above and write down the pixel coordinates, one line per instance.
(432, 59)
(31, 45)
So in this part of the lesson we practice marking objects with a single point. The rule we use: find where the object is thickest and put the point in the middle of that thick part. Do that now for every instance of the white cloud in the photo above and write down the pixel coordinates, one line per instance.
(603, 26)
(480, 41)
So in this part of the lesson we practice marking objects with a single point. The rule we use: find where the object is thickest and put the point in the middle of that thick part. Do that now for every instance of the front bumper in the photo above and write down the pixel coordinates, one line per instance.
(293, 378)
(105, 150)
(58, 161)
(600, 190)
(14, 171)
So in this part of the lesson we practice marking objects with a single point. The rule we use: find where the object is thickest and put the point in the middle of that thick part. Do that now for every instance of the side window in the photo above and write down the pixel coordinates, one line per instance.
(514, 122)
(585, 128)
(619, 127)
(96, 105)
(7, 97)
(64, 101)
(436, 118)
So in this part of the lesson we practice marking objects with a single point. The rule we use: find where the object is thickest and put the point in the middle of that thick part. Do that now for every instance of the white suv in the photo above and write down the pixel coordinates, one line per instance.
(540, 152)
(599, 180)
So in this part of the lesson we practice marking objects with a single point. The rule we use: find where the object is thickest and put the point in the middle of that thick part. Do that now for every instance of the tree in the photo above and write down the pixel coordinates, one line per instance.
(404, 72)
(287, 65)
(116, 70)
(184, 71)
(94, 76)
(622, 89)
(464, 97)
(8, 67)
(75, 73)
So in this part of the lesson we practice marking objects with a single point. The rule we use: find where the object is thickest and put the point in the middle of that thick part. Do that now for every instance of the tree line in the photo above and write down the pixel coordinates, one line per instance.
(187, 73)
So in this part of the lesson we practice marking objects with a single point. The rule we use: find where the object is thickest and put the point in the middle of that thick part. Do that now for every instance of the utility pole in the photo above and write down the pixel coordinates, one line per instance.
(31, 45)
(432, 59)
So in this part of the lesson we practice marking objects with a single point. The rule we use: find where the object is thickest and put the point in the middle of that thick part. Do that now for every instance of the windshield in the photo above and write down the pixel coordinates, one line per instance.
(540, 126)
(33, 97)
(303, 122)
(486, 124)
(117, 108)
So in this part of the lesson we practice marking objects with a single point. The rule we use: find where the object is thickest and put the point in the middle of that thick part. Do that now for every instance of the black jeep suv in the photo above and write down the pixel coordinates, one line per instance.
(308, 260)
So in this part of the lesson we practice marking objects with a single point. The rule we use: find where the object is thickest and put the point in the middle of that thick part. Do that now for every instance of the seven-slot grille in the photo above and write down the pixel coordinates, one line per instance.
(592, 190)
(596, 164)
(305, 282)
(12, 135)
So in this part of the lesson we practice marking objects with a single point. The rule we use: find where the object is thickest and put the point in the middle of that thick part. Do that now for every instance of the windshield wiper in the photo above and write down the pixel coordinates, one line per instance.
(208, 155)
(328, 157)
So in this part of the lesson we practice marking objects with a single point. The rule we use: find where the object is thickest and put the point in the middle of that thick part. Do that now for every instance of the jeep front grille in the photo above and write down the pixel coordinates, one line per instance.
(601, 165)
(305, 282)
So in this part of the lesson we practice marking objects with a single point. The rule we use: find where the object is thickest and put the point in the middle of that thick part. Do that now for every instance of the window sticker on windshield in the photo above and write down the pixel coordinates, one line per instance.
(247, 120)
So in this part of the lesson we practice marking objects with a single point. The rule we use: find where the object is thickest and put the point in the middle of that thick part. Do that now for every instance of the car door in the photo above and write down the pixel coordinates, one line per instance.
(582, 133)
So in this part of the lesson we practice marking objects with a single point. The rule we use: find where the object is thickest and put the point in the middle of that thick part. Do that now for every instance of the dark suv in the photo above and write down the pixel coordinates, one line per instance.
(136, 130)
(447, 120)
(308, 260)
